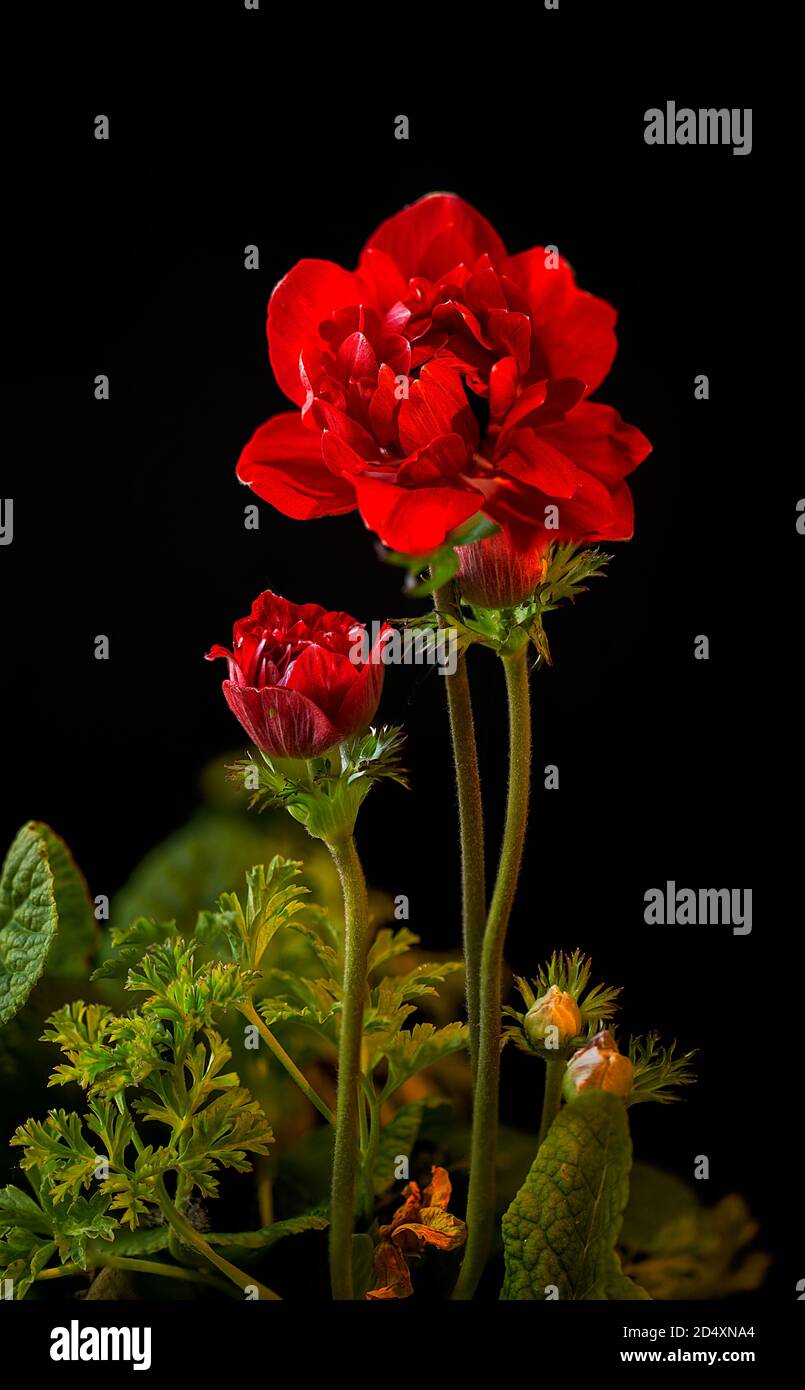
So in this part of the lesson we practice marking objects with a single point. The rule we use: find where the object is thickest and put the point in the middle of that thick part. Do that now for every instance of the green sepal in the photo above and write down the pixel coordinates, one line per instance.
(326, 793)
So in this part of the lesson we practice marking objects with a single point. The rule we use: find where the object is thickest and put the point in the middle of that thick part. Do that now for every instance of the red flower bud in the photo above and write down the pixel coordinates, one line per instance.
(494, 573)
(300, 678)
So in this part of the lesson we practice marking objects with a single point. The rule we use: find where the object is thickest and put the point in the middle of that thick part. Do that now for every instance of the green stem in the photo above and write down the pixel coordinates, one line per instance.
(190, 1236)
(552, 1098)
(136, 1266)
(248, 1010)
(471, 824)
(345, 1156)
(370, 1157)
(481, 1197)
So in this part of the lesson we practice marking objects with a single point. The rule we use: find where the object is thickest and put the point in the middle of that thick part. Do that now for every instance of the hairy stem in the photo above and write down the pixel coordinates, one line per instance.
(481, 1197)
(249, 1011)
(471, 824)
(190, 1236)
(552, 1098)
(345, 1157)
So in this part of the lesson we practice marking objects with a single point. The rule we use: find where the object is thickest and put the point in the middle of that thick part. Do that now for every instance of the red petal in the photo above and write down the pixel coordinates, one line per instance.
(440, 460)
(383, 277)
(308, 294)
(384, 407)
(282, 463)
(599, 441)
(282, 722)
(436, 405)
(540, 465)
(414, 520)
(502, 387)
(542, 404)
(573, 331)
(435, 234)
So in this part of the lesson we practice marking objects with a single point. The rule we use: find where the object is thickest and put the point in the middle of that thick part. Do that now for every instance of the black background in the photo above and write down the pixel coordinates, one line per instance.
(127, 259)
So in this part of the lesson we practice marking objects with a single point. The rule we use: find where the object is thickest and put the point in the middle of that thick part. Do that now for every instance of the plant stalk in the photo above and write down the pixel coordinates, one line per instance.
(190, 1236)
(481, 1197)
(552, 1097)
(471, 824)
(249, 1011)
(345, 1156)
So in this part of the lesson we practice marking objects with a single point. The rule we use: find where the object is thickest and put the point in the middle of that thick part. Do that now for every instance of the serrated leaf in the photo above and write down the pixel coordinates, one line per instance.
(397, 1140)
(387, 944)
(269, 1235)
(22, 1255)
(84, 1220)
(147, 1240)
(130, 944)
(562, 1226)
(17, 1208)
(410, 1052)
(77, 935)
(28, 920)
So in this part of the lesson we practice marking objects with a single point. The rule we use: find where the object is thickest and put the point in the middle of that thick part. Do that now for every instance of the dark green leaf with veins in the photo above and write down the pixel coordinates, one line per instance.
(28, 919)
(560, 1230)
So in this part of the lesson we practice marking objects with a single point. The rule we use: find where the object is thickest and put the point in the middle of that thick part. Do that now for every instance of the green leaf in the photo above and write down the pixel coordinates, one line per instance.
(269, 1235)
(130, 944)
(83, 1221)
(18, 1209)
(676, 1248)
(77, 935)
(183, 875)
(28, 920)
(147, 1240)
(410, 1052)
(60, 1152)
(562, 1226)
(397, 1139)
(22, 1255)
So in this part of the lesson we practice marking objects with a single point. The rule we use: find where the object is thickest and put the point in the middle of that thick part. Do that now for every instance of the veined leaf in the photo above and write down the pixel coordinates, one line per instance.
(77, 935)
(147, 1240)
(22, 1255)
(410, 1052)
(562, 1226)
(17, 1208)
(396, 1141)
(388, 944)
(28, 919)
(269, 1235)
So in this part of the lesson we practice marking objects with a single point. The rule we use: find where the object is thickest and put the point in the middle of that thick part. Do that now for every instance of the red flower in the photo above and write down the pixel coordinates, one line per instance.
(380, 359)
(300, 678)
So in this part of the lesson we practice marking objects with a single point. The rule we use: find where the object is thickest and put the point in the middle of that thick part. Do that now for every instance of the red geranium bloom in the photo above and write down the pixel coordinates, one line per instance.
(300, 678)
(378, 360)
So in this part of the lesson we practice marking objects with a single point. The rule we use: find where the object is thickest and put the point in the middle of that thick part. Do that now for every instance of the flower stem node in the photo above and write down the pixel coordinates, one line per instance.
(599, 1066)
(325, 793)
